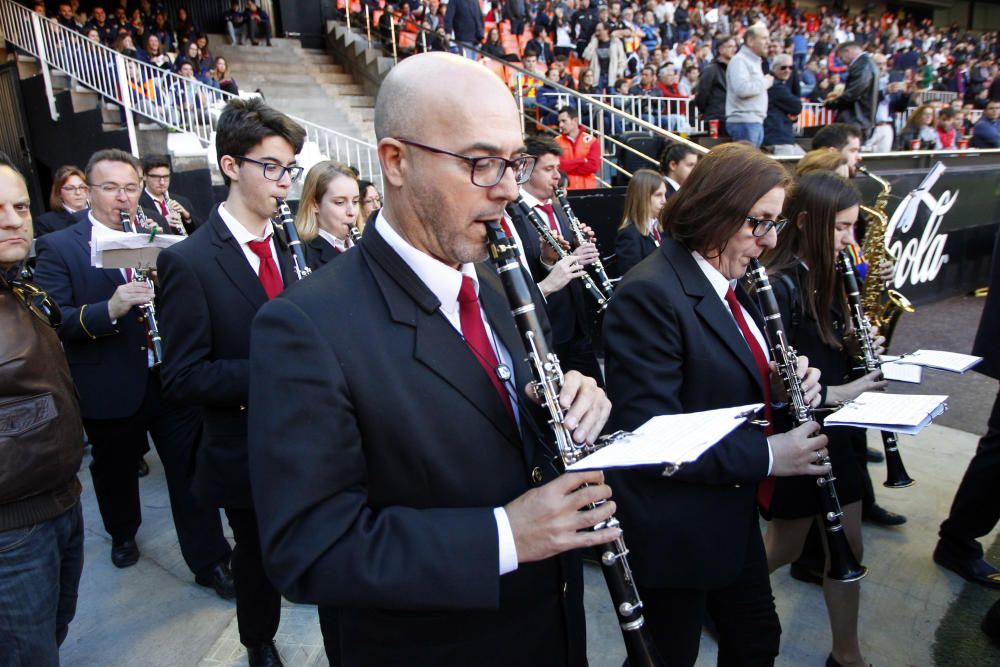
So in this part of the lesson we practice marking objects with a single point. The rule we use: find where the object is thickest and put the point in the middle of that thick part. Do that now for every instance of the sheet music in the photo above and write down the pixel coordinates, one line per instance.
(900, 372)
(669, 439)
(104, 238)
(903, 413)
(946, 361)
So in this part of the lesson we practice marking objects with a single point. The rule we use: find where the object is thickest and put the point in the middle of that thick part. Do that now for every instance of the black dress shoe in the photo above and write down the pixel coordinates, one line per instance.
(832, 662)
(143, 468)
(874, 456)
(124, 553)
(805, 574)
(975, 570)
(264, 655)
(883, 517)
(220, 579)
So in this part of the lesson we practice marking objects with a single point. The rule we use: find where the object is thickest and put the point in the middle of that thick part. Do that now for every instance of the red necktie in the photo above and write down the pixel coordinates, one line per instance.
(656, 234)
(163, 209)
(765, 490)
(475, 337)
(553, 225)
(268, 272)
(506, 227)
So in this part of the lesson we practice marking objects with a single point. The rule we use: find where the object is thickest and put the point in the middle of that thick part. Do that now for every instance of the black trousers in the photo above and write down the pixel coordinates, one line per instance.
(258, 602)
(743, 612)
(117, 445)
(976, 507)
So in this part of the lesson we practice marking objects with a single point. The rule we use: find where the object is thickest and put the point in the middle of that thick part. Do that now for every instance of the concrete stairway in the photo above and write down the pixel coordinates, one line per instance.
(302, 82)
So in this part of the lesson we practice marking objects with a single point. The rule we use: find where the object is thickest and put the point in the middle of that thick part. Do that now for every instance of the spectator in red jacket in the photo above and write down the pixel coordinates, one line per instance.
(581, 158)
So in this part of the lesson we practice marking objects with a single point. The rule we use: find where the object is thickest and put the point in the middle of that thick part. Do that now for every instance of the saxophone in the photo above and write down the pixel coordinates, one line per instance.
(882, 306)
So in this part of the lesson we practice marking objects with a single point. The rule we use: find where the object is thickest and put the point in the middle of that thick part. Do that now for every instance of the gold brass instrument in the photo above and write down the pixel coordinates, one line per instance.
(882, 306)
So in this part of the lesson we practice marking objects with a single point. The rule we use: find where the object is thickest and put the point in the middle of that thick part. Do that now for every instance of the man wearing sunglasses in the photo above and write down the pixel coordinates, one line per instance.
(41, 444)
(783, 108)
(212, 284)
(397, 462)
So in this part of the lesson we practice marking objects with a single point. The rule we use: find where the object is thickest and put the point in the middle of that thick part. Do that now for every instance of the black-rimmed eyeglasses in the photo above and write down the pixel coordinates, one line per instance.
(272, 170)
(36, 300)
(761, 226)
(487, 170)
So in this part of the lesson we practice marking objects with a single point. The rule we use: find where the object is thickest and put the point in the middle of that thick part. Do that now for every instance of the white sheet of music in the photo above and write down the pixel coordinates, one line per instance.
(106, 239)
(669, 440)
(903, 413)
(900, 372)
(945, 361)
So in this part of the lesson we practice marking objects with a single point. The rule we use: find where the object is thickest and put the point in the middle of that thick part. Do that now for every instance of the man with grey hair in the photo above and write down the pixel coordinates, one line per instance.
(398, 464)
(747, 86)
(783, 108)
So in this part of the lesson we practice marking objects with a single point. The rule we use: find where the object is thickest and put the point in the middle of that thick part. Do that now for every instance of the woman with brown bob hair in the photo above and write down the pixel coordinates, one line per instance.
(328, 209)
(674, 344)
(822, 211)
(68, 196)
(823, 159)
(639, 234)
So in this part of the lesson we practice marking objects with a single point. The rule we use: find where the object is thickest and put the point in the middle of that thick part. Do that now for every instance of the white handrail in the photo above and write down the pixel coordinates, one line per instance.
(173, 101)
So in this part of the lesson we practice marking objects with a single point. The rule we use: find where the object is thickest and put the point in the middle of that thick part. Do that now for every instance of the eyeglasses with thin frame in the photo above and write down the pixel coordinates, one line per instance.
(488, 170)
(158, 177)
(762, 226)
(371, 201)
(272, 170)
(75, 188)
(132, 189)
(36, 300)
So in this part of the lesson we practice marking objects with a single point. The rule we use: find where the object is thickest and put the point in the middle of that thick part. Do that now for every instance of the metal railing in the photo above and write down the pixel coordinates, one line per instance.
(161, 96)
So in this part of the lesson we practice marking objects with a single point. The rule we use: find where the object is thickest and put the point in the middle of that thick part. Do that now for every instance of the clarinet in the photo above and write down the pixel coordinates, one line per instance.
(286, 222)
(843, 565)
(355, 234)
(166, 200)
(549, 378)
(895, 471)
(141, 275)
(543, 230)
(574, 223)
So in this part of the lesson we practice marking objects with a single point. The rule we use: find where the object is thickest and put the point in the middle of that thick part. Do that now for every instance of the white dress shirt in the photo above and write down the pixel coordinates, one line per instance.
(243, 236)
(721, 285)
(445, 283)
(339, 244)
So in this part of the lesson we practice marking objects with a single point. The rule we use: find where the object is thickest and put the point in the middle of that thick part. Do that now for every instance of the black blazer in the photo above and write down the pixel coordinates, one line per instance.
(319, 251)
(108, 359)
(378, 447)
(987, 343)
(153, 210)
(568, 308)
(631, 247)
(859, 101)
(209, 295)
(672, 347)
(53, 221)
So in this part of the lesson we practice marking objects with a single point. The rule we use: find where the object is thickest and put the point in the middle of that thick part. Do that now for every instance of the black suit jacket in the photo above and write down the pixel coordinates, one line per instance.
(153, 210)
(631, 247)
(53, 221)
(568, 308)
(672, 347)
(378, 447)
(108, 359)
(987, 343)
(319, 251)
(209, 295)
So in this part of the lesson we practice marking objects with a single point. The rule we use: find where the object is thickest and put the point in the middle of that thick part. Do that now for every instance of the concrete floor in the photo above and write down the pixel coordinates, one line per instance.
(153, 614)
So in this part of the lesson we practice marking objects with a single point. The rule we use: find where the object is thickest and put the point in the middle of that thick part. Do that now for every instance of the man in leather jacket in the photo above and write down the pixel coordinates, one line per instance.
(857, 104)
(41, 444)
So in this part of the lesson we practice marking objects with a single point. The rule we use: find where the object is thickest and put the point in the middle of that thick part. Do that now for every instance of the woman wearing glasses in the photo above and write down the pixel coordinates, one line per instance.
(68, 197)
(371, 202)
(328, 210)
(822, 211)
(681, 335)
